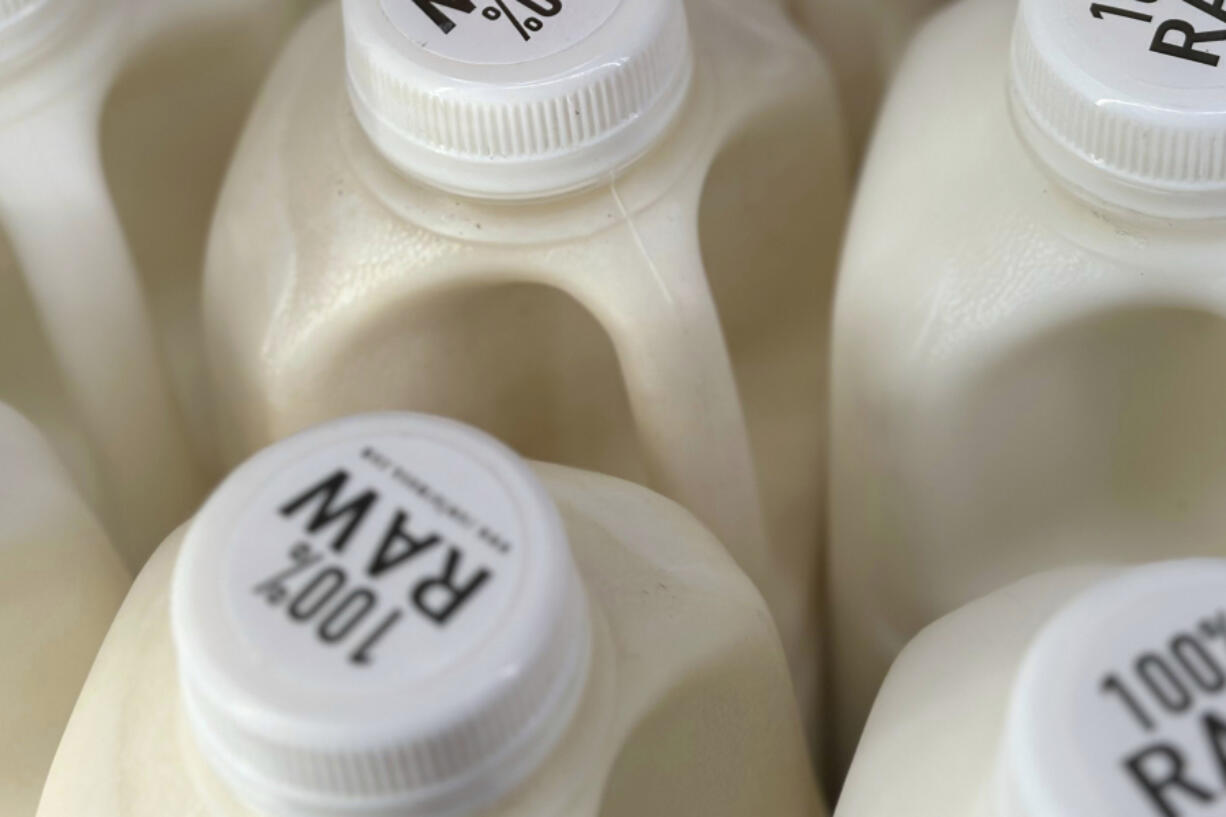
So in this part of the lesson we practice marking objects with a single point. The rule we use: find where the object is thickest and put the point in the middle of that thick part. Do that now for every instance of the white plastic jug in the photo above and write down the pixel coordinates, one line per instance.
(863, 41)
(60, 584)
(604, 233)
(1031, 322)
(1081, 693)
(387, 615)
(117, 119)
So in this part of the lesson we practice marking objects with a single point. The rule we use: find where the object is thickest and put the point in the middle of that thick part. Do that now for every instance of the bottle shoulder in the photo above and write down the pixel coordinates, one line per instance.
(954, 208)
(305, 154)
(633, 544)
(668, 605)
(961, 245)
(313, 227)
(932, 741)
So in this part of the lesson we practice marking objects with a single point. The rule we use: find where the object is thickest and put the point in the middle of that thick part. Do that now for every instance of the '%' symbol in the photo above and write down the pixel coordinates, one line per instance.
(500, 10)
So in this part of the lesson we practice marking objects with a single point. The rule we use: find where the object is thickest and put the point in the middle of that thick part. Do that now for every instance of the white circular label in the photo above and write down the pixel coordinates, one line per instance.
(1122, 707)
(379, 560)
(1147, 47)
(497, 32)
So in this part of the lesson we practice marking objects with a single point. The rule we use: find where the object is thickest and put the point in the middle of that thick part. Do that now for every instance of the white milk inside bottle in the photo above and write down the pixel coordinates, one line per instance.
(60, 584)
(116, 122)
(1028, 336)
(1095, 692)
(388, 615)
(863, 40)
(604, 233)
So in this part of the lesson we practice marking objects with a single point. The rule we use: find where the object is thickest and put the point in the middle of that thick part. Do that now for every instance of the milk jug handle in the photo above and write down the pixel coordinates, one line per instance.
(662, 319)
(58, 216)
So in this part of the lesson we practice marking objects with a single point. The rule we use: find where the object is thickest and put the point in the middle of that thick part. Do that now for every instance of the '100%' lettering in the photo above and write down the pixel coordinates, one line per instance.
(1183, 679)
(346, 613)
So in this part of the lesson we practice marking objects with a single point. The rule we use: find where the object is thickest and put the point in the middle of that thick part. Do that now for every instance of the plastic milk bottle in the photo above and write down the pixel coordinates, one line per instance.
(394, 615)
(602, 231)
(1031, 321)
(1085, 693)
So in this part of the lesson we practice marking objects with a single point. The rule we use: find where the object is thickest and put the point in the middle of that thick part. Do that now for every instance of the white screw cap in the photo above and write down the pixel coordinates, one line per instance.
(1111, 713)
(380, 616)
(515, 98)
(1127, 100)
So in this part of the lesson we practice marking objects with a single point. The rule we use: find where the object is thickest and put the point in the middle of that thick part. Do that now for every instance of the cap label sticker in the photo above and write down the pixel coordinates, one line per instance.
(375, 559)
(1168, 696)
(1188, 31)
(497, 32)
(1120, 707)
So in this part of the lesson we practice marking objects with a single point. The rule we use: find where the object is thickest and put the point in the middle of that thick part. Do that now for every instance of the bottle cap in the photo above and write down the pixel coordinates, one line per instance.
(1127, 99)
(1120, 707)
(380, 616)
(515, 98)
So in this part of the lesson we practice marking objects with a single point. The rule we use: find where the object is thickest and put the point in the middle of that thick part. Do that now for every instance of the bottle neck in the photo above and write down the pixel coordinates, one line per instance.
(482, 114)
(1104, 190)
